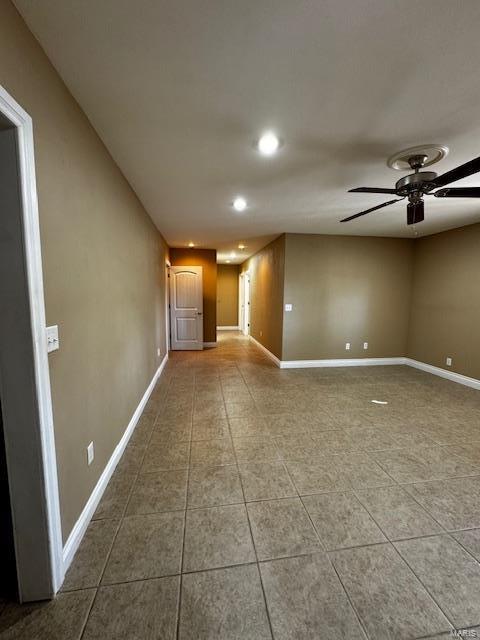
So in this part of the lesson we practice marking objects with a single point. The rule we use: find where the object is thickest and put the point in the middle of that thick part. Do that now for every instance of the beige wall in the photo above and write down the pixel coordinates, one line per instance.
(346, 289)
(103, 265)
(207, 259)
(266, 270)
(227, 295)
(445, 312)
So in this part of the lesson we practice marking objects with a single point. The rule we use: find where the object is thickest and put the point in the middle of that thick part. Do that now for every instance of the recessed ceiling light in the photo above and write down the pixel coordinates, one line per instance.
(241, 247)
(239, 204)
(268, 144)
(227, 261)
(191, 245)
(233, 254)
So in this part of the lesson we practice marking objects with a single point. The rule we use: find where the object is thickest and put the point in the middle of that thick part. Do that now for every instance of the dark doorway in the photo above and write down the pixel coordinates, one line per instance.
(8, 574)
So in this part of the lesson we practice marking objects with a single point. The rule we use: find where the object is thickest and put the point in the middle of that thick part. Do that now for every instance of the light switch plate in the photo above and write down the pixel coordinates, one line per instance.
(52, 338)
(288, 307)
(90, 453)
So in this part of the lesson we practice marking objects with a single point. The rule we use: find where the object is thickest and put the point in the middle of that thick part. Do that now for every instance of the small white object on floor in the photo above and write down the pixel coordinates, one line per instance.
(379, 401)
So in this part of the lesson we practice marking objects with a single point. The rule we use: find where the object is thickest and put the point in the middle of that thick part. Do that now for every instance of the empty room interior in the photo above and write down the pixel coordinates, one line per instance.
(239, 326)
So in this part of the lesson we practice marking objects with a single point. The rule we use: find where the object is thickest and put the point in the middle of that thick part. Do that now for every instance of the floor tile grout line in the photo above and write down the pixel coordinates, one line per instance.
(182, 559)
(477, 560)
(432, 597)
(87, 616)
(349, 599)
(259, 573)
(401, 485)
(356, 491)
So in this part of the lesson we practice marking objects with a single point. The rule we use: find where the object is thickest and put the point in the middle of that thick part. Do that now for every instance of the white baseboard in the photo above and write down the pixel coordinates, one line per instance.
(228, 328)
(340, 362)
(444, 373)
(331, 362)
(370, 362)
(268, 353)
(78, 531)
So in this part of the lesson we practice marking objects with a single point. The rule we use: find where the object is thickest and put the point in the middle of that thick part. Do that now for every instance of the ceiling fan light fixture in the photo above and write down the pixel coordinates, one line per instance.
(401, 161)
(422, 183)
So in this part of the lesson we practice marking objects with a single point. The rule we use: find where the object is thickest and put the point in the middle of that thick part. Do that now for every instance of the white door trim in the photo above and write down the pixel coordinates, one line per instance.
(23, 123)
(166, 275)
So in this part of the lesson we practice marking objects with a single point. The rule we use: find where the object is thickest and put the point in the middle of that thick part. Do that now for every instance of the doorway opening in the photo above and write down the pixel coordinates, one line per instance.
(31, 521)
(244, 303)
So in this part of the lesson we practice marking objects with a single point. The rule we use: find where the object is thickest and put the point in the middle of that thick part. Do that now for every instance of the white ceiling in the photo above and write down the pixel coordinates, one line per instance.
(179, 89)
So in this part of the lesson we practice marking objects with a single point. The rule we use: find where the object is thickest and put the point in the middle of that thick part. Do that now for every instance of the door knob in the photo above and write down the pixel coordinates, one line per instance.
(199, 313)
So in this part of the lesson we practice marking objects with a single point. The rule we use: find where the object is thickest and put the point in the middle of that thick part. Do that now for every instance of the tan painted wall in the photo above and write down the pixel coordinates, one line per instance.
(445, 311)
(266, 270)
(103, 265)
(206, 258)
(346, 289)
(227, 295)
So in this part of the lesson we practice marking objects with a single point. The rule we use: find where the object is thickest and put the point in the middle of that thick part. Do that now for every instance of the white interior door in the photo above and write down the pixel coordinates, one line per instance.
(186, 308)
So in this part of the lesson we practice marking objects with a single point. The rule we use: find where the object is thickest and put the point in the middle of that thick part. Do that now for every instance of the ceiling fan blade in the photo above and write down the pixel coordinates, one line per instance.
(460, 172)
(415, 212)
(466, 192)
(371, 190)
(362, 213)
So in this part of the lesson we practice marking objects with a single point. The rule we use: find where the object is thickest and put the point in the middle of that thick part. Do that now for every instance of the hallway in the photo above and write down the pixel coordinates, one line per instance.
(253, 501)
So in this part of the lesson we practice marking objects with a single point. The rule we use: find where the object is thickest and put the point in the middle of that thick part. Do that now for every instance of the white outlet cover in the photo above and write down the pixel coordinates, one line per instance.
(449, 362)
(90, 453)
(365, 345)
(52, 338)
(347, 346)
(288, 307)
(158, 352)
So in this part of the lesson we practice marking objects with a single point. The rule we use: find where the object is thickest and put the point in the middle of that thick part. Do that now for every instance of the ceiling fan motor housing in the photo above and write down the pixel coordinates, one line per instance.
(418, 181)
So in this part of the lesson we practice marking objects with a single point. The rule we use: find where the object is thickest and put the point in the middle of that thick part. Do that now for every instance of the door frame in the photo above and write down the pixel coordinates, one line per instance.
(167, 305)
(242, 303)
(47, 521)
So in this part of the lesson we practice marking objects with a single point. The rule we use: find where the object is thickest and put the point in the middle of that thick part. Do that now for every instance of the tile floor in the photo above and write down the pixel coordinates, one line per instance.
(254, 502)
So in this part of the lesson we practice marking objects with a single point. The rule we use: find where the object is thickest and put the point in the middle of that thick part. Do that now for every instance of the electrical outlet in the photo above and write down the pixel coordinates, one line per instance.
(365, 345)
(52, 338)
(449, 362)
(347, 346)
(158, 352)
(288, 307)
(90, 453)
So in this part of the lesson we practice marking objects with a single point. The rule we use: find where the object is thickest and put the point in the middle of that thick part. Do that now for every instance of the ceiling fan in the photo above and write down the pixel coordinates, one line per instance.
(422, 183)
